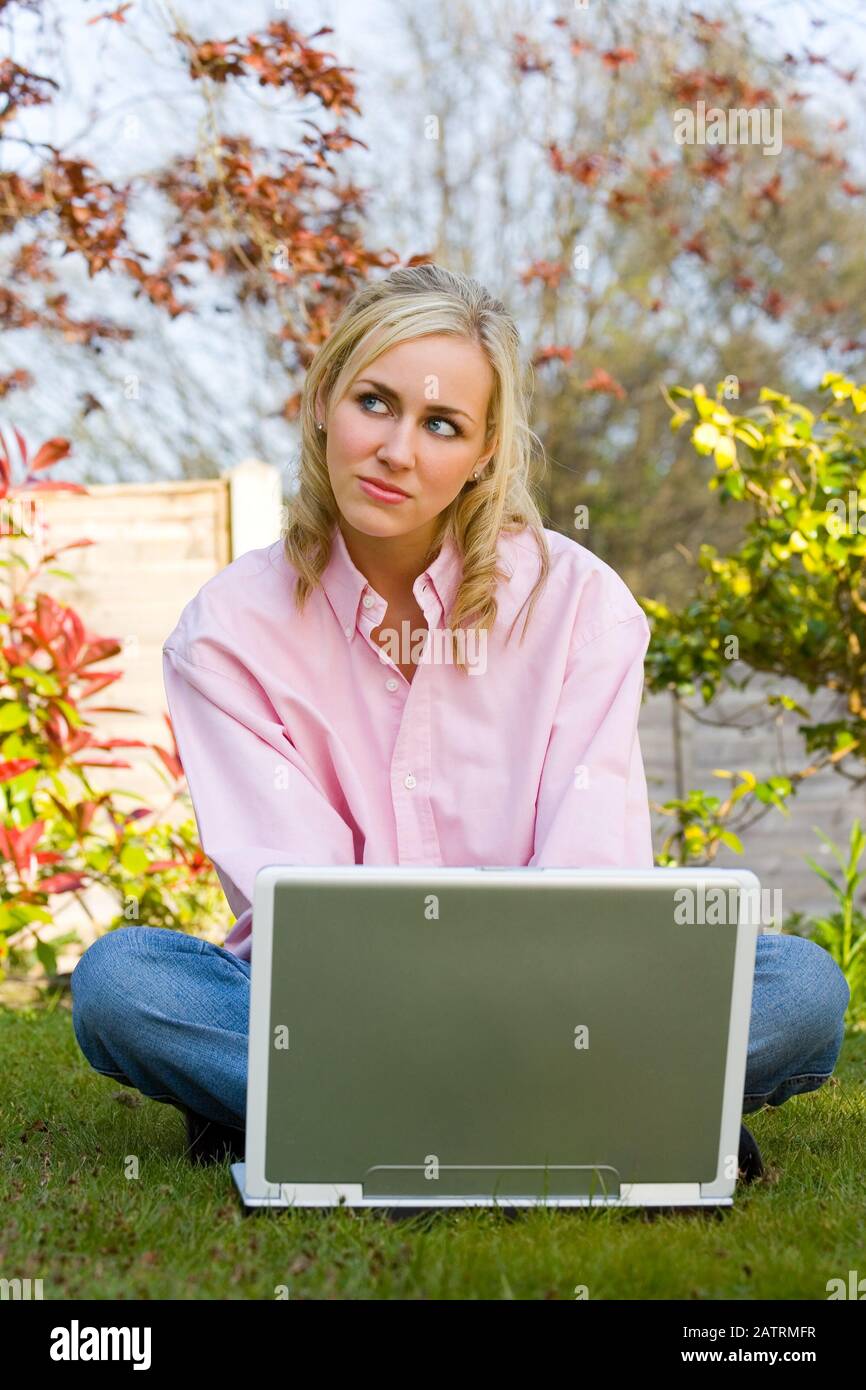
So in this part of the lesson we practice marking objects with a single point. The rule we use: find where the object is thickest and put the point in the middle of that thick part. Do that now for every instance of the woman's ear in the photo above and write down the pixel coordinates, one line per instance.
(487, 456)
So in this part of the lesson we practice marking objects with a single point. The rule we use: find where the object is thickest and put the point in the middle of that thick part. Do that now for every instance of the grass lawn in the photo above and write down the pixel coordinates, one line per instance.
(73, 1218)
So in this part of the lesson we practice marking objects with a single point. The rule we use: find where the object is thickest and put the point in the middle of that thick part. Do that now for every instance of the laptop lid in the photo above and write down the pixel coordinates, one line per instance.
(436, 1036)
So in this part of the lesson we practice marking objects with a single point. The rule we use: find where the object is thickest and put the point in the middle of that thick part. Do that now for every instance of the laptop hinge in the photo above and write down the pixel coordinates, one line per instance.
(529, 1180)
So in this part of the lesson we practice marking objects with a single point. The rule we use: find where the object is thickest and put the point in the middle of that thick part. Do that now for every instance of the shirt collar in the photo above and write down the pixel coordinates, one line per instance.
(347, 589)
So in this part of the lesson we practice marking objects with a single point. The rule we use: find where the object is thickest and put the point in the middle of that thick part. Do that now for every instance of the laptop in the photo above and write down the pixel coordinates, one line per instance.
(447, 1037)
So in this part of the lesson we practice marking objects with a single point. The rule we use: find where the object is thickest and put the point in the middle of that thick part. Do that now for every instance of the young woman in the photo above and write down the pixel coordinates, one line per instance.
(418, 672)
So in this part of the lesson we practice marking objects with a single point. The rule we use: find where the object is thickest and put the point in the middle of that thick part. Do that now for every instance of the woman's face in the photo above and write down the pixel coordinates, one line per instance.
(408, 435)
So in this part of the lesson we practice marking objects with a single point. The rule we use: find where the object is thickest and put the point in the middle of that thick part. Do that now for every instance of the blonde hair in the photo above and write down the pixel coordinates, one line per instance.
(414, 302)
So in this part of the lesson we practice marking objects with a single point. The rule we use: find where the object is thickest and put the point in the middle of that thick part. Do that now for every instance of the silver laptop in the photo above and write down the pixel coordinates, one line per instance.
(432, 1037)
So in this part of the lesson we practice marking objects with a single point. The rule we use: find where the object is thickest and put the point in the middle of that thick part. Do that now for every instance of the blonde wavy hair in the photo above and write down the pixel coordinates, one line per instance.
(413, 302)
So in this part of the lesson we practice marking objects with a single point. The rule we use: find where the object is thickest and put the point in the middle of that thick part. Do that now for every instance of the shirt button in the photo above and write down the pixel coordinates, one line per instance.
(409, 781)
(391, 684)
(368, 600)
(348, 631)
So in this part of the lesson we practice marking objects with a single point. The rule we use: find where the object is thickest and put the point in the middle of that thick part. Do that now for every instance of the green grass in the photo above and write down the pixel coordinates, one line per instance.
(71, 1217)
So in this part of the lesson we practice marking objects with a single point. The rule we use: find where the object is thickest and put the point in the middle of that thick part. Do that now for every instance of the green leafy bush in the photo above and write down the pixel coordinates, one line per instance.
(789, 601)
(842, 933)
(59, 835)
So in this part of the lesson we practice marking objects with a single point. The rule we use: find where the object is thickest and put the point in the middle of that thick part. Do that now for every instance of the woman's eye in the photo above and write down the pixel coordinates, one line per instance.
(440, 419)
(443, 421)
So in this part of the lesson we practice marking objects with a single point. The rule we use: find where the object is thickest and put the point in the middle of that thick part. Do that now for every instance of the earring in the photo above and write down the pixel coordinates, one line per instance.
(319, 425)
(475, 474)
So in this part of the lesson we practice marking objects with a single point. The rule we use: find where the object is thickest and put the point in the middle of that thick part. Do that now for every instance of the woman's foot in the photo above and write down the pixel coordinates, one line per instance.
(210, 1142)
(749, 1161)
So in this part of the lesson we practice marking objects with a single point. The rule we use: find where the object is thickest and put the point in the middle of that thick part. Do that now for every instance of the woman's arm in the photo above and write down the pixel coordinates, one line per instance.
(255, 800)
(592, 809)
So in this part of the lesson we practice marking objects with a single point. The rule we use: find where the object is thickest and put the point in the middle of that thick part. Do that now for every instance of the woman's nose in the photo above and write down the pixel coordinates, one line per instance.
(397, 446)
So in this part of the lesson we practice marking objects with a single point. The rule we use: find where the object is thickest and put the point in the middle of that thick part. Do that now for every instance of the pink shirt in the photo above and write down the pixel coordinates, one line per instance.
(303, 743)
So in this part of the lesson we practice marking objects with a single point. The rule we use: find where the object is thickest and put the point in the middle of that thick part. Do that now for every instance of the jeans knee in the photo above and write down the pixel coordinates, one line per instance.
(101, 977)
(821, 992)
(833, 985)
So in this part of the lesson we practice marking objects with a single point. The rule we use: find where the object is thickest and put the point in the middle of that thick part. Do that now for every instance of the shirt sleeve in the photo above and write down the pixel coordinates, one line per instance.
(256, 801)
(592, 809)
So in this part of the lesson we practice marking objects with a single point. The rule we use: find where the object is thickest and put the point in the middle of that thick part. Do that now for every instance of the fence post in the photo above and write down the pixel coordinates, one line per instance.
(677, 741)
(255, 506)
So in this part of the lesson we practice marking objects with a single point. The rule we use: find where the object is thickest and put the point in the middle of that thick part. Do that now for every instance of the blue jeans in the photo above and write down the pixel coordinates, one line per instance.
(168, 1014)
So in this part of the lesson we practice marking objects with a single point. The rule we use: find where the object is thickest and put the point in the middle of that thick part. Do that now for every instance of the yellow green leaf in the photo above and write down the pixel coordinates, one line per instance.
(705, 437)
(134, 859)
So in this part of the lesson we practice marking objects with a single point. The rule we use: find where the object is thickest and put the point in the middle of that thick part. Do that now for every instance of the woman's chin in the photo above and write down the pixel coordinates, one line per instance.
(375, 520)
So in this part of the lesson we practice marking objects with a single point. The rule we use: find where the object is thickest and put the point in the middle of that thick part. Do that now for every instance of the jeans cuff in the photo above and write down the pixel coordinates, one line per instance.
(125, 1081)
(807, 1081)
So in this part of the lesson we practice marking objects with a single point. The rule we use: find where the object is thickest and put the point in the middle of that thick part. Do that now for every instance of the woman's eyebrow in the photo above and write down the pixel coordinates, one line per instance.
(392, 395)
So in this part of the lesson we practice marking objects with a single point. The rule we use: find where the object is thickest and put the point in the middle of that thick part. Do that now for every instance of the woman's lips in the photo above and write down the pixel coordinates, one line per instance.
(382, 493)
